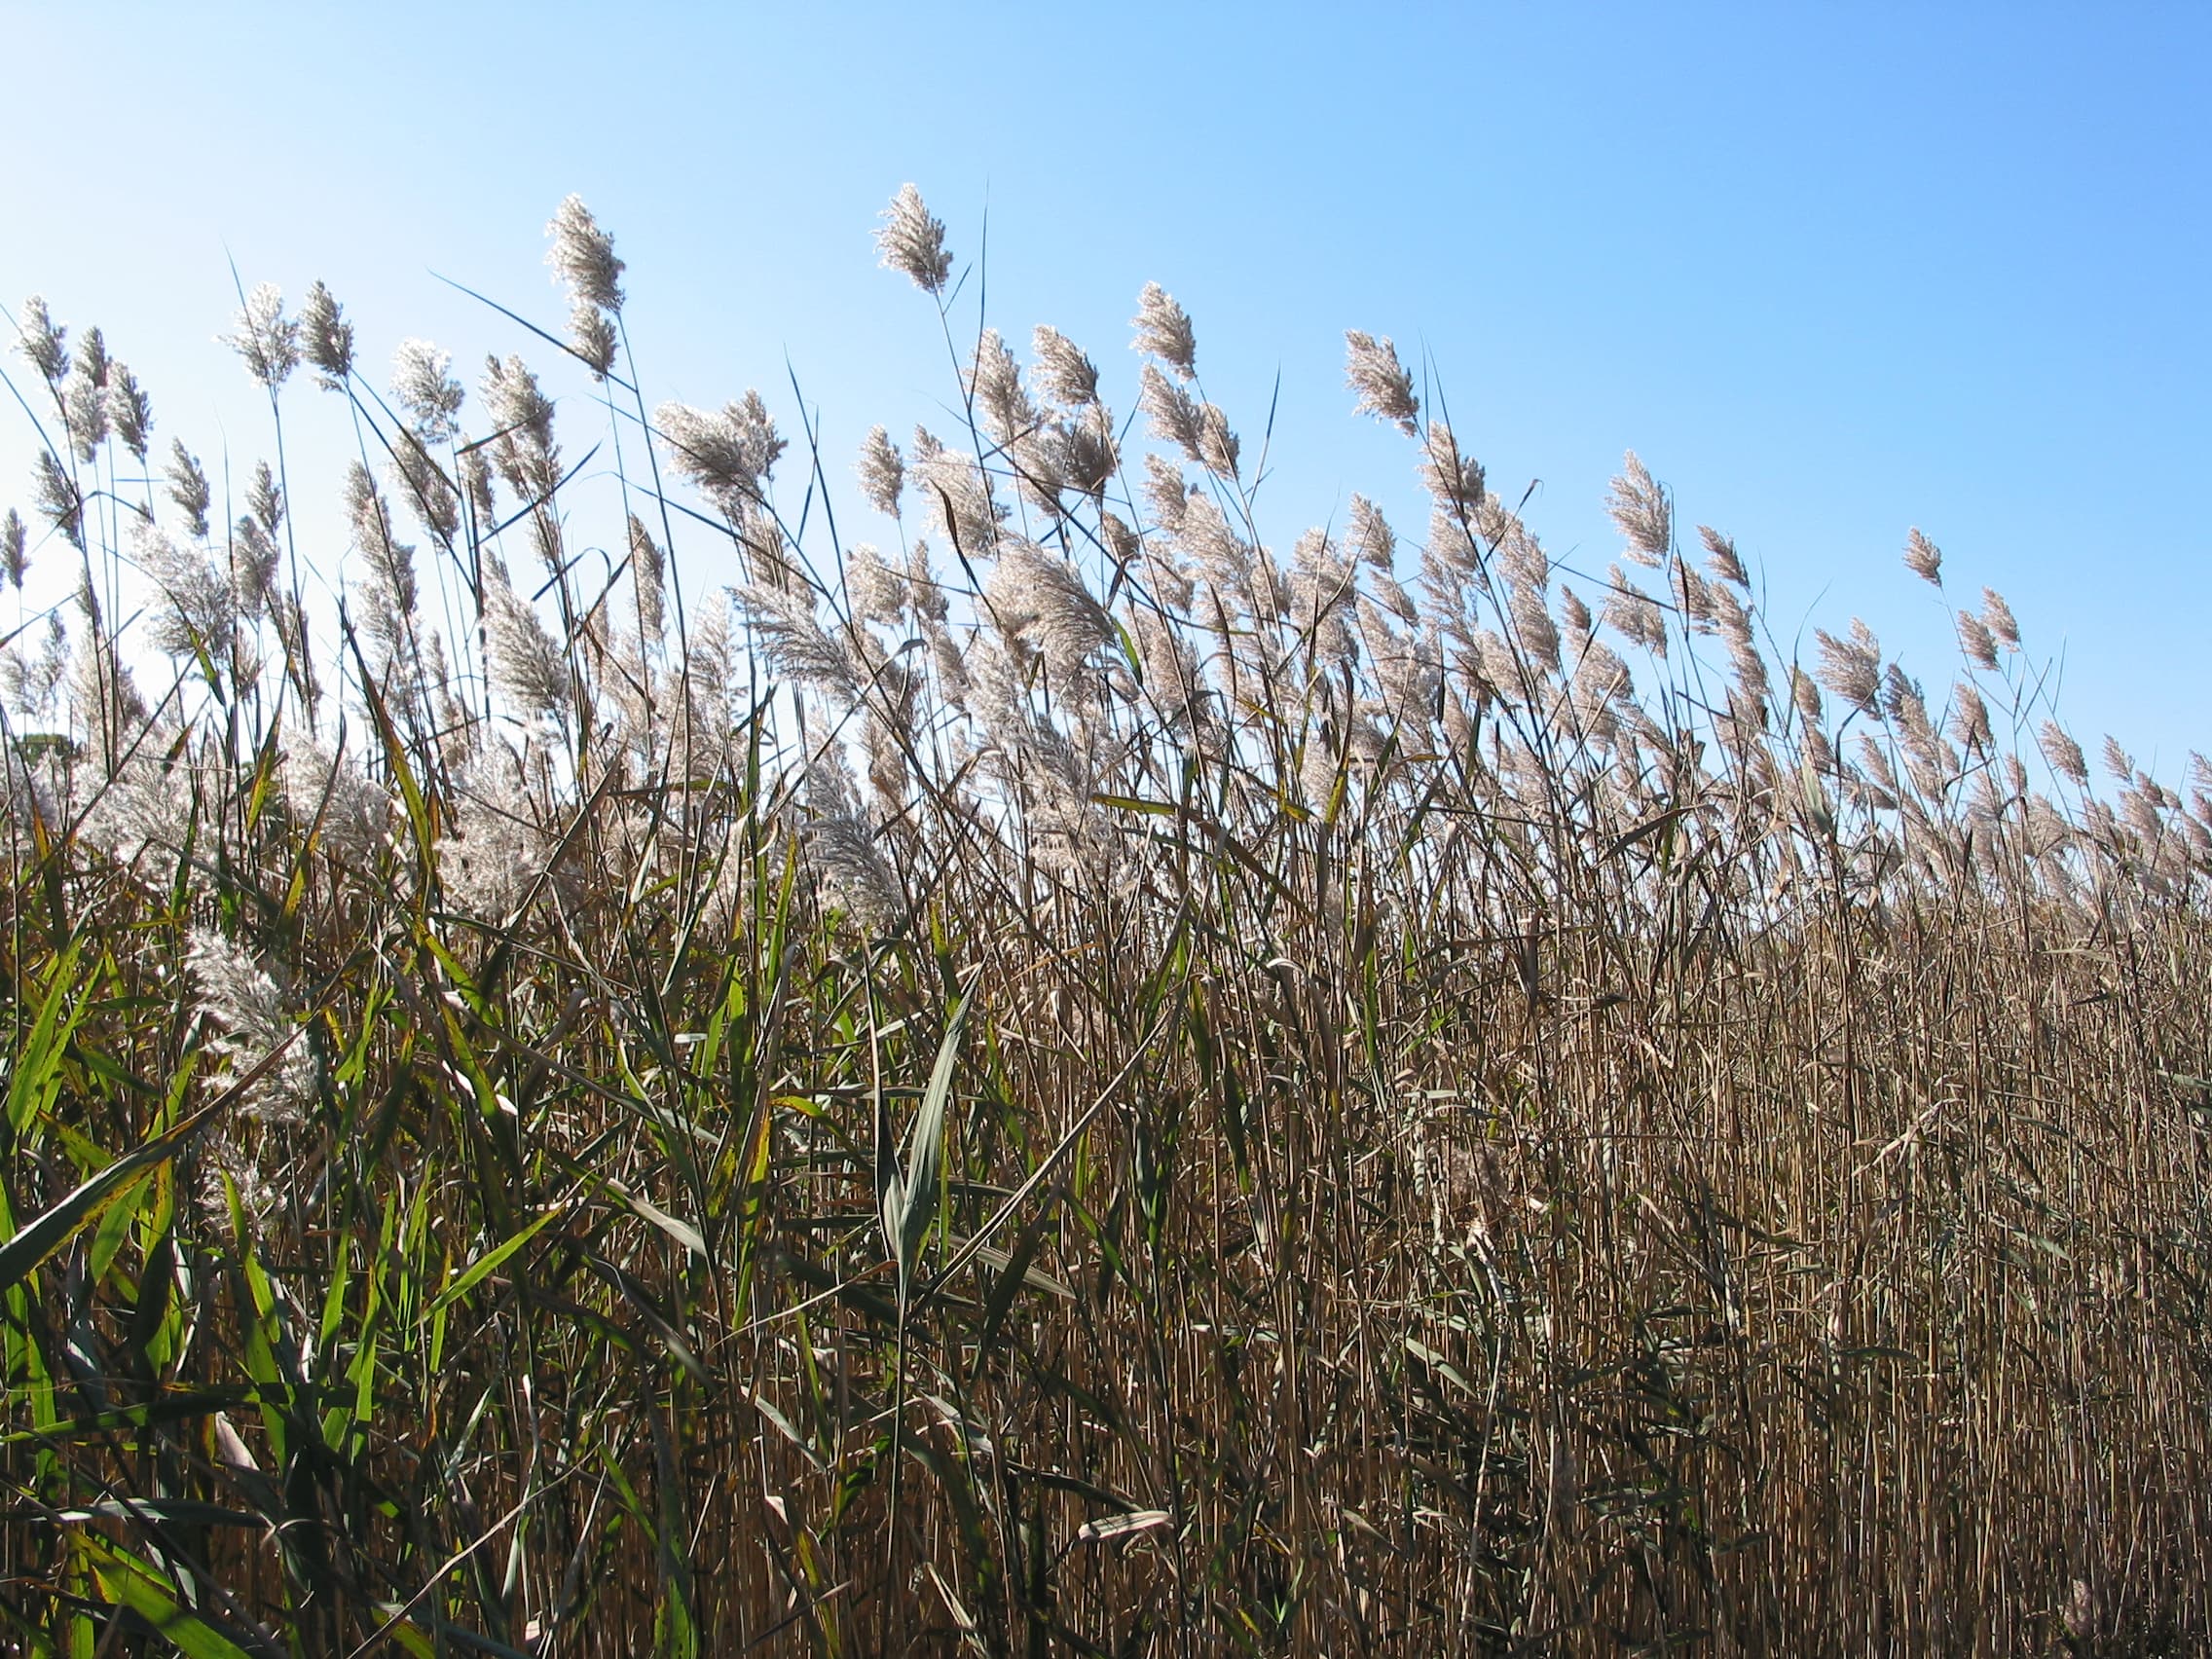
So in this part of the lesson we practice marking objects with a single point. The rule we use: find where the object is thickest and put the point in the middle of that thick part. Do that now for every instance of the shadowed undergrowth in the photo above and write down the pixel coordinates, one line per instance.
(1067, 1084)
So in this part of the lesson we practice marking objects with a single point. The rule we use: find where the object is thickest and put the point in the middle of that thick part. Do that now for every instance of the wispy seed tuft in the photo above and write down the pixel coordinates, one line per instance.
(264, 337)
(913, 242)
(1163, 329)
(1384, 384)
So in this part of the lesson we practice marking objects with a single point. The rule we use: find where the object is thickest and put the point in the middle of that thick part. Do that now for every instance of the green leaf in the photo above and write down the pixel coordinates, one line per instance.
(925, 1154)
(1137, 803)
(164, 1408)
(1013, 1273)
(683, 1231)
(115, 1227)
(31, 1084)
(126, 1579)
(22, 1253)
(487, 1264)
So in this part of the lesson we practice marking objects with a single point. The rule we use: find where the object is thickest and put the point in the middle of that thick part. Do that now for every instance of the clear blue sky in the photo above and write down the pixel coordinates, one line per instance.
(1833, 270)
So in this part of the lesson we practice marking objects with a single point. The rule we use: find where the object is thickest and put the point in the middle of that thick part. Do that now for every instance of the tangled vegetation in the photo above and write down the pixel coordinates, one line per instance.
(1061, 1083)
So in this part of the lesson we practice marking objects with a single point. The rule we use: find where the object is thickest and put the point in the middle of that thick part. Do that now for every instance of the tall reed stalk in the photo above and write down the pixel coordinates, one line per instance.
(1060, 1080)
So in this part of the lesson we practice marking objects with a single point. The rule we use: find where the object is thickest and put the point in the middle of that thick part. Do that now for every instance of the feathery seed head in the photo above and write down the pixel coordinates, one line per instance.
(1700, 609)
(1453, 479)
(1640, 507)
(877, 593)
(1977, 641)
(2117, 760)
(1165, 576)
(426, 488)
(1805, 696)
(592, 337)
(1997, 617)
(1068, 377)
(58, 499)
(1521, 557)
(476, 484)
(188, 486)
(347, 809)
(1043, 601)
(522, 420)
(1450, 558)
(1220, 552)
(288, 616)
(85, 408)
(882, 473)
(1634, 614)
(254, 559)
(1534, 630)
(2063, 753)
(390, 591)
(1576, 615)
(519, 409)
(995, 383)
(44, 343)
(1322, 596)
(1969, 718)
(1923, 558)
(326, 338)
(238, 997)
(197, 610)
(522, 436)
(1082, 453)
(647, 571)
(1170, 669)
(1851, 669)
(1389, 596)
(1167, 492)
(1744, 657)
(1175, 414)
(1601, 680)
(32, 686)
(1163, 329)
(93, 361)
(1218, 448)
(844, 846)
(1721, 558)
(130, 411)
(13, 564)
(266, 338)
(422, 382)
(1368, 534)
(1122, 541)
(729, 454)
(959, 497)
(497, 851)
(913, 242)
(1384, 384)
(1900, 698)
(264, 499)
(526, 662)
(795, 645)
(582, 256)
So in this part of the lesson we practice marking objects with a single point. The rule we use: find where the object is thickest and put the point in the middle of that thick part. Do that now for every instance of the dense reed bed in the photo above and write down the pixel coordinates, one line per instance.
(1053, 1079)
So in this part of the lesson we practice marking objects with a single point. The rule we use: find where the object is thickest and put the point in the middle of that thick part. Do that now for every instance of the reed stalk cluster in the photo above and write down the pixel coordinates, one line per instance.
(1016, 1068)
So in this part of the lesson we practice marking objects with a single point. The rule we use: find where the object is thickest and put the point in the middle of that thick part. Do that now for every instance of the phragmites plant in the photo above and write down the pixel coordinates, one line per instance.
(1069, 1075)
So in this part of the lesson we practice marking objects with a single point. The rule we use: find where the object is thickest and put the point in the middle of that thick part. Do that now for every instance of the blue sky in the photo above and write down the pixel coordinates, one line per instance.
(1832, 270)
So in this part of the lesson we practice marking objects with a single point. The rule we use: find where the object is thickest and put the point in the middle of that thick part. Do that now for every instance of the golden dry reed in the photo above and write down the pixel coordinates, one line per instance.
(1055, 1080)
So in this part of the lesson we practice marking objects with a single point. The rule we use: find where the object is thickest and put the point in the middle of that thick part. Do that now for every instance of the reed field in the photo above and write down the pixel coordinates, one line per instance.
(1026, 1062)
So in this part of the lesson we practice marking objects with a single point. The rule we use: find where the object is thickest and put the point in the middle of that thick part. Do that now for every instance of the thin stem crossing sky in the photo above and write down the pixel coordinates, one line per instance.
(1833, 270)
